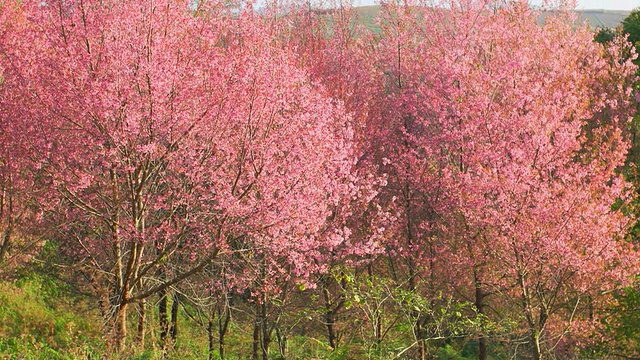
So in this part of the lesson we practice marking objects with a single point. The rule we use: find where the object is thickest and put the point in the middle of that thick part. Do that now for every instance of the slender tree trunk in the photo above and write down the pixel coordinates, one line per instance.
(173, 330)
(420, 336)
(418, 332)
(479, 303)
(211, 341)
(331, 310)
(142, 320)
(121, 313)
(224, 317)
(256, 337)
(330, 320)
(163, 318)
(534, 335)
(378, 328)
(121, 326)
(261, 337)
(535, 340)
(6, 241)
(266, 336)
(5, 245)
(282, 342)
(376, 318)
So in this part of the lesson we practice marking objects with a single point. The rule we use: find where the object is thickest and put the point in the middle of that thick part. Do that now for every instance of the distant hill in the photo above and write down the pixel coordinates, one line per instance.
(604, 18)
(596, 18)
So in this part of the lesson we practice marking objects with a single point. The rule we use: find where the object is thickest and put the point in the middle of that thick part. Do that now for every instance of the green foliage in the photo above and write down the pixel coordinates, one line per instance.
(605, 35)
(448, 352)
(628, 316)
(631, 26)
(619, 334)
(38, 321)
(390, 312)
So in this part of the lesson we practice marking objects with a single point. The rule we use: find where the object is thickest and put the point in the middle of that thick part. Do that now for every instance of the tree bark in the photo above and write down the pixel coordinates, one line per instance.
(256, 338)
(121, 326)
(535, 339)
(479, 303)
(265, 331)
(224, 317)
(163, 318)
(6, 241)
(173, 329)
(331, 310)
(8, 231)
(142, 320)
(282, 342)
(210, 337)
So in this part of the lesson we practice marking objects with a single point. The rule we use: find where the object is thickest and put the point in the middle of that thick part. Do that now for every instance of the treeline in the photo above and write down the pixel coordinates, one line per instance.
(449, 179)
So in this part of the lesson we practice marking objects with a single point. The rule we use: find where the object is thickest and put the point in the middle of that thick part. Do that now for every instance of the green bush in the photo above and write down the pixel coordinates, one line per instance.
(38, 320)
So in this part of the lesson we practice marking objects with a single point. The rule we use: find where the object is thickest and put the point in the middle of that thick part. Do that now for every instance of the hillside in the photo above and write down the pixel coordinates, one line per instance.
(604, 18)
(596, 18)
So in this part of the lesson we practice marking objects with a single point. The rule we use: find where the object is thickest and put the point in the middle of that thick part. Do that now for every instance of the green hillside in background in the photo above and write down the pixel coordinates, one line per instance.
(604, 18)
(595, 18)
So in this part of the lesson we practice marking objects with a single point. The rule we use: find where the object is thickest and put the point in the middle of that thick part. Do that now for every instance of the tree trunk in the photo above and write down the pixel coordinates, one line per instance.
(482, 340)
(224, 317)
(331, 309)
(420, 336)
(121, 326)
(282, 342)
(256, 338)
(261, 336)
(411, 266)
(266, 334)
(8, 231)
(534, 335)
(330, 320)
(535, 339)
(163, 318)
(210, 336)
(173, 330)
(6, 241)
(378, 328)
(142, 319)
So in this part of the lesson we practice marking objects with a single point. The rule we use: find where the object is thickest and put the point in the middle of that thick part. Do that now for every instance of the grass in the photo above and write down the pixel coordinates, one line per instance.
(42, 318)
(39, 321)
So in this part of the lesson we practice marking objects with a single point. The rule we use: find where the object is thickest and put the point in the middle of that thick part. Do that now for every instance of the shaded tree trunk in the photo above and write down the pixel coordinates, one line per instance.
(224, 317)
(6, 241)
(256, 338)
(282, 342)
(261, 332)
(173, 329)
(6, 207)
(142, 319)
(332, 307)
(211, 339)
(535, 341)
(163, 317)
(479, 303)
(265, 331)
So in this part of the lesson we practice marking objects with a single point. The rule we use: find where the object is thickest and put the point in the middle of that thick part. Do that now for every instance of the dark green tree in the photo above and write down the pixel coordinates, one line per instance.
(605, 35)
(631, 26)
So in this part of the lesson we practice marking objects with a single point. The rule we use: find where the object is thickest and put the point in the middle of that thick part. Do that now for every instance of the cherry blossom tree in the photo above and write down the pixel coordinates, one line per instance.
(19, 189)
(512, 134)
(334, 48)
(461, 153)
(167, 132)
